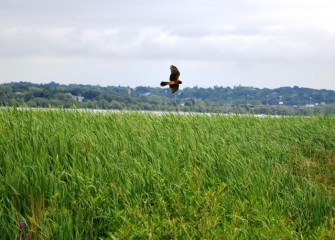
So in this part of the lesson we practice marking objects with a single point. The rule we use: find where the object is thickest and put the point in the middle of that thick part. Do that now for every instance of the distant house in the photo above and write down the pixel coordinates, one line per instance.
(77, 98)
(130, 91)
(145, 94)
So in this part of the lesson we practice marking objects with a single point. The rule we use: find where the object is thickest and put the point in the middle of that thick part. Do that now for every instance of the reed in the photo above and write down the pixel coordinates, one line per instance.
(83, 175)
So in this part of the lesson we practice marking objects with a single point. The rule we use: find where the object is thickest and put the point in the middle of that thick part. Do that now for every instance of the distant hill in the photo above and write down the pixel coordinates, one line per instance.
(216, 99)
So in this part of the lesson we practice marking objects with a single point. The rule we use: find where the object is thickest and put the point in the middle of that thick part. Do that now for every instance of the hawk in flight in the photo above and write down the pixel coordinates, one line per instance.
(174, 79)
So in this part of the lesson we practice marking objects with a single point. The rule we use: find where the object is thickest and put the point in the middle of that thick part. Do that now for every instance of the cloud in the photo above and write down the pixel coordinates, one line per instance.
(269, 43)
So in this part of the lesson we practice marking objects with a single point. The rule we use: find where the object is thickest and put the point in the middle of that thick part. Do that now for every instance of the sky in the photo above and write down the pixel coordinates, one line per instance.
(255, 43)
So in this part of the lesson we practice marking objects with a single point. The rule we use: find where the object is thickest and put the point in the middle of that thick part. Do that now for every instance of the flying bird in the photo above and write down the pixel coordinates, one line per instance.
(174, 79)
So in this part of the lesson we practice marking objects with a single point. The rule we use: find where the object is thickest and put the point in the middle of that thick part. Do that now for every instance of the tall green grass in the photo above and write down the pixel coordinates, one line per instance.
(83, 175)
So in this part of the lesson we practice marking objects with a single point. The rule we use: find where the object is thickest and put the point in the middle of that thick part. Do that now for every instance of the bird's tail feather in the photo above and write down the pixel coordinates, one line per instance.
(164, 83)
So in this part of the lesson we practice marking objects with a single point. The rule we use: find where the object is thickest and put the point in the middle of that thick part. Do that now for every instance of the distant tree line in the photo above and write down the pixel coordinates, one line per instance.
(239, 99)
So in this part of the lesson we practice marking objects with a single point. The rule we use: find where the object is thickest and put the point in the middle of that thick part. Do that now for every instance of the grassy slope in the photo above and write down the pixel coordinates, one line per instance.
(83, 175)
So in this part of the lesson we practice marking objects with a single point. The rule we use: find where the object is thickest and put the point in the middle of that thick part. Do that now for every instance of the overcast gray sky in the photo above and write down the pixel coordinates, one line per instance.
(258, 43)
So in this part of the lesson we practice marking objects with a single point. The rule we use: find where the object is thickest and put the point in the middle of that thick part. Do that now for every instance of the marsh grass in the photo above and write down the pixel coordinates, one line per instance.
(83, 175)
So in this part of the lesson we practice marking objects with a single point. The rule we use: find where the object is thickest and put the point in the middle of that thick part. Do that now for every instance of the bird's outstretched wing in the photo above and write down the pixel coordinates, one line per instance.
(174, 88)
(174, 73)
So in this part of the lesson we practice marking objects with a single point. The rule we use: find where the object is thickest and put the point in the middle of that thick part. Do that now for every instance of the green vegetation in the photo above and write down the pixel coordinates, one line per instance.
(80, 175)
(280, 101)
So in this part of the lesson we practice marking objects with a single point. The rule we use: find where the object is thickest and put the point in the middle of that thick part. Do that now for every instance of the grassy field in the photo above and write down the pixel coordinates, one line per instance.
(81, 175)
